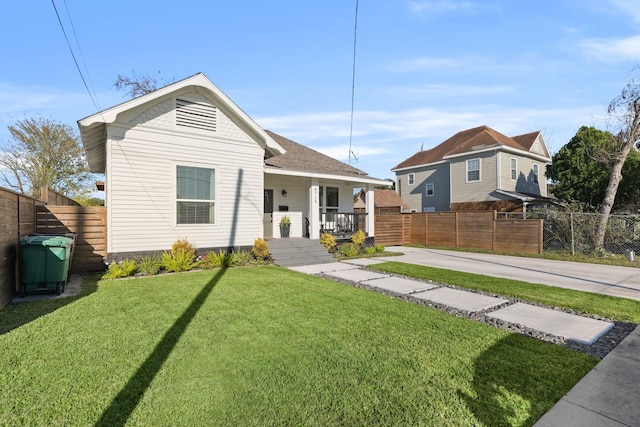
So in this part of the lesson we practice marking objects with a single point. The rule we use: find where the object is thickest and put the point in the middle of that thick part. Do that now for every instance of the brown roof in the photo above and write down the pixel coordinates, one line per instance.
(304, 159)
(388, 199)
(385, 199)
(467, 141)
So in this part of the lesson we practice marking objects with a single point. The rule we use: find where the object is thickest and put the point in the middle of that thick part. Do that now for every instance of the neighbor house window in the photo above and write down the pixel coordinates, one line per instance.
(514, 169)
(536, 171)
(411, 179)
(195, 195)
(473, 170)
(429, 189)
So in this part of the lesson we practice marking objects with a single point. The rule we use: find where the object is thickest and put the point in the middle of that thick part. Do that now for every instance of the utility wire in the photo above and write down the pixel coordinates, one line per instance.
(84, 63)
(353, 84)
(74, 56)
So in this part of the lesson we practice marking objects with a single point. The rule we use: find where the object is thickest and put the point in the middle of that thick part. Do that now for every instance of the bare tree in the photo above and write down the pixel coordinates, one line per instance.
(626, 109)
(44, 153)
(140, 84)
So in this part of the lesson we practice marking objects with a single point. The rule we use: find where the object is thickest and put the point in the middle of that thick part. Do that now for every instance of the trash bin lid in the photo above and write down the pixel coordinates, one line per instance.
(44, 240)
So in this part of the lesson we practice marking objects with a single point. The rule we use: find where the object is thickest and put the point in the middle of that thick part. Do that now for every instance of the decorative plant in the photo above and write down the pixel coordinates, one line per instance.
(358, 239)
(349, 249)
(183, 244)
(379, 248)
(260, 250)
(150, 265)
(285, 220)
(179, 260)
(328, 241)
(125, 268)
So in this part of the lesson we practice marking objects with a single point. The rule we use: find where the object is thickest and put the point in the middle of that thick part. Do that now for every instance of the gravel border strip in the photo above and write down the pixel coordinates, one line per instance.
(600, 348)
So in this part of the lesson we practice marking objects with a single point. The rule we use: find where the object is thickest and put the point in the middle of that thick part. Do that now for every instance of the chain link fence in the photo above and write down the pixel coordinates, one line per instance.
(575, 232)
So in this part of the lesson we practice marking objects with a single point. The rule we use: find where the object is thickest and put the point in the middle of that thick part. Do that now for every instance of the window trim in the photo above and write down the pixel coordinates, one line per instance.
(513, 168)
(411, 179)
(479, 170)
(426, 189)
(536, 173)
(176, 199)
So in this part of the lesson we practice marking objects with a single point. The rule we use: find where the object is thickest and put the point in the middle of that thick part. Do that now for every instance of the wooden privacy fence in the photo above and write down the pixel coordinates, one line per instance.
(17, 219)
(468, 230)
(22, 216)
(88, 223)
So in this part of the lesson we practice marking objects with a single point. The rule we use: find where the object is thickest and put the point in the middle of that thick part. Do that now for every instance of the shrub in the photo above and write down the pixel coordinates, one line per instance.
(379, 248)
(241, 258)
(185, 246)
(328, 241)
(260, 250)
(217, 259)
(349, 249)
(358, 238)
(126, 268)
(150, 265)
(370, 250)
(179, 260)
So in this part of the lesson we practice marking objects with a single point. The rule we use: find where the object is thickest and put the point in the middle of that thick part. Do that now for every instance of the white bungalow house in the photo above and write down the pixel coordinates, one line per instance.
(185, 162)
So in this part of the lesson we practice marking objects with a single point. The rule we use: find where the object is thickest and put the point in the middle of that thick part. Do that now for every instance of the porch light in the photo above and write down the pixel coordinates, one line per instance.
(284, 193)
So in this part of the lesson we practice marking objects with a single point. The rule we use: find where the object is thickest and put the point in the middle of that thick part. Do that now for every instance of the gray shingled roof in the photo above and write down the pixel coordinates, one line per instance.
(303, 159)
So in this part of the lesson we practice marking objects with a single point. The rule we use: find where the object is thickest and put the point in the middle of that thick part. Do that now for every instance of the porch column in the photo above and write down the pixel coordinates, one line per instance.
(314, 210)
(370, 209)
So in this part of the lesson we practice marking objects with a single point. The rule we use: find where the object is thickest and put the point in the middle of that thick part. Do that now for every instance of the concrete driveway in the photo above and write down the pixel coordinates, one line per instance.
(602, 279)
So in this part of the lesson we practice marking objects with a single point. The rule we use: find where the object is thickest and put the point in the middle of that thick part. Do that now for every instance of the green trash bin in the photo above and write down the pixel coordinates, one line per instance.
(44, 263)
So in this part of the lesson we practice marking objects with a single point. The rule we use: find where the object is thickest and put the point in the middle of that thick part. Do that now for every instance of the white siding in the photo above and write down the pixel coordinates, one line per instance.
(142, 159)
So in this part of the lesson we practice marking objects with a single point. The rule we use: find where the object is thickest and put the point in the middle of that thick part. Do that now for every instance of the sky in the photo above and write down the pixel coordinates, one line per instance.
(424, 70)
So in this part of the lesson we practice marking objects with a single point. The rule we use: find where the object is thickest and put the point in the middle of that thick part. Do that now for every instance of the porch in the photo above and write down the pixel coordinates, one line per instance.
(315, 206)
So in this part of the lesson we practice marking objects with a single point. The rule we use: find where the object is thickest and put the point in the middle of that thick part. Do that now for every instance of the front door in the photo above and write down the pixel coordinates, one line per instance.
(267, 218)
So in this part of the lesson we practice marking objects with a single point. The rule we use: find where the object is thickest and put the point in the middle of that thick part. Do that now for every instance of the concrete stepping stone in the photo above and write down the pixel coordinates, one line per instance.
(322, 268)
(462, 300)
(399, 284)
(356, 275)
(581, 329)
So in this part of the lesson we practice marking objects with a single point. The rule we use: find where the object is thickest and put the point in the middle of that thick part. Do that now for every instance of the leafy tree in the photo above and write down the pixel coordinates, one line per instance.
(43, 153)
(627, 107)
(140, 84)
(580, 171)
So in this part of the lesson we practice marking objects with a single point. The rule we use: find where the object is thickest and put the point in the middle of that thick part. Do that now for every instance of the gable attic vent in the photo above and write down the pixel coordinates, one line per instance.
(196, 115)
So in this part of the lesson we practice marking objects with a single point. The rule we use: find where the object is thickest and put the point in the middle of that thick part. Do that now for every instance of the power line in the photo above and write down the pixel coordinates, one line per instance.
(84, 63)
(353, 84)
(74, 56)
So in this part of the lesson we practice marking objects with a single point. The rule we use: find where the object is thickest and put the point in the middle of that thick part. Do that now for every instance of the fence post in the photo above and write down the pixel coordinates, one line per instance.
(456, 218)
(573, 245)
(493, 231)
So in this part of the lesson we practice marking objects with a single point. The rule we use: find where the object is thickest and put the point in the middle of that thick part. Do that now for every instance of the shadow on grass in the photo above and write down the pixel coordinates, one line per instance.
(516, 381)
(16, 315)
(126, 401)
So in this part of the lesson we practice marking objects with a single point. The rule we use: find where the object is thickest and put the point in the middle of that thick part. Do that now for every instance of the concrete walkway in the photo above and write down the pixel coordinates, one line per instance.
(607, 396)
(601, 279)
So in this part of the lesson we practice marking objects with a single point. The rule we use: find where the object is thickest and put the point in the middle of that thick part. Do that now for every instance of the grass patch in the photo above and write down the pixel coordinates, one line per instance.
(267, 346)
(615, 308)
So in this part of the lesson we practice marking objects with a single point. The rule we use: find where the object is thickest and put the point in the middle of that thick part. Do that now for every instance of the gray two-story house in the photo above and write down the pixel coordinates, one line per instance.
(476, 169)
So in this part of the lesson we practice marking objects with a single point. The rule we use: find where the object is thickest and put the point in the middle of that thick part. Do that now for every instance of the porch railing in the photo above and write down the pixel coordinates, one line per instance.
(343, 224)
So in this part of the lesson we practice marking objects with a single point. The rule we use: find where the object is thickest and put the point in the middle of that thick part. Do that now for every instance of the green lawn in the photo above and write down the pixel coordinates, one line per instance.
(615, 308)
(266, 346)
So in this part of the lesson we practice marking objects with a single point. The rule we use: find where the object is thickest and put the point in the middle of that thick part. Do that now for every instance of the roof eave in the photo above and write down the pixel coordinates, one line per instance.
(351, 178)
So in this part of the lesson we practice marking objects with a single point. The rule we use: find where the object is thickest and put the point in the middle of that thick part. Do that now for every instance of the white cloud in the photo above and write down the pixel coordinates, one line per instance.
(613, 49)
(447, 90)
(382, 139)
(440, 6)
(628, 7)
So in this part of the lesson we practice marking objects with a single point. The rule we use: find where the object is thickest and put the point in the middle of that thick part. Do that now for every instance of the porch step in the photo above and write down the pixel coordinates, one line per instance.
(298, 251)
